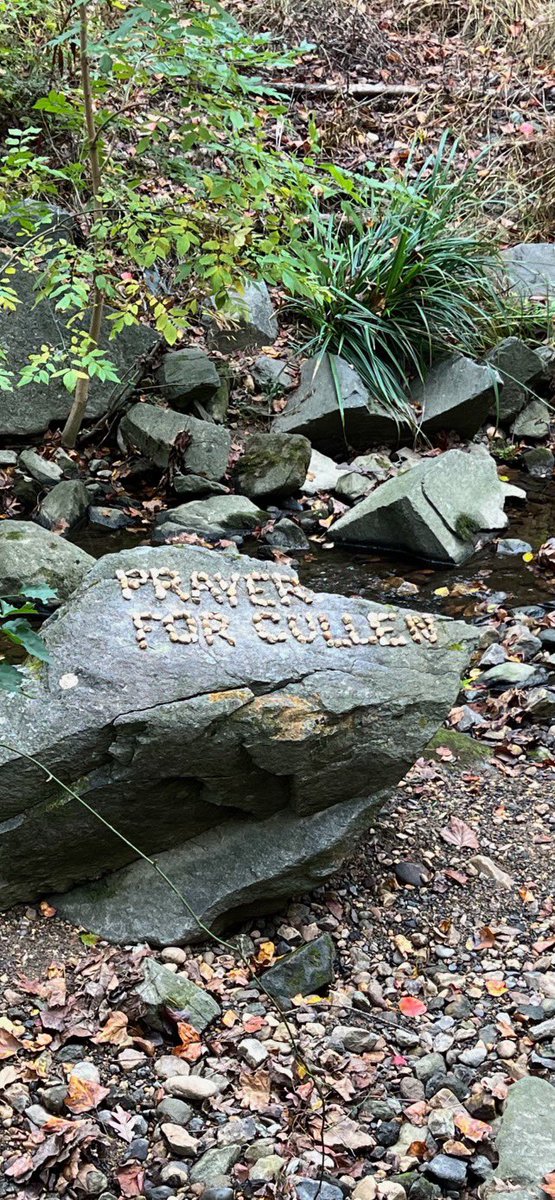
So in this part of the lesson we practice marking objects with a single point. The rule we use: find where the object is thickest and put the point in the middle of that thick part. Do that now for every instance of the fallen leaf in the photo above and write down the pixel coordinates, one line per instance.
(411, 1006)
(114, 1031)
(251, 1024)
(9, 1043)
(46, 909)
(548, 1184)
(347, 1133)
(496, 987)
(131, 1179)
(84, 1094)
(266, 953)
(458, 834)
(190, 1047)
(255, 1089)
(471, 1128)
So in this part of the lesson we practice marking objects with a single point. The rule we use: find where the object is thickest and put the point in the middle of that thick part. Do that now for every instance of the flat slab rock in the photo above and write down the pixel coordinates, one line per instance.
(238, 726)
(526, 1138)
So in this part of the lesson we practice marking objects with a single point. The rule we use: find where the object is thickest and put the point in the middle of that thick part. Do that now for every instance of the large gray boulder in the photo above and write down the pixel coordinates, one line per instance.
(247, 323)
(457, 395)
(530, 268)
(438, 510)
(166, 437)
(64, 506)
(518, 365)
(32, 408)
(30, 557)
(314, 409)
(214, 518)
(525, 1140)
(223, 718)
(273, 465)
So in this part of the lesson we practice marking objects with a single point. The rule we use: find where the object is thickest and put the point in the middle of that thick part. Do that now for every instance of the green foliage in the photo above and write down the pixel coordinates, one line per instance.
(414, 282)
(197, 190)
(16, 629)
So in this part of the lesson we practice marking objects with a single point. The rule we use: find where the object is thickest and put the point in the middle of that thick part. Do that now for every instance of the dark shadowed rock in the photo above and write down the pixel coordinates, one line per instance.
(24, 331)
(65, 506)
(314, 409)
(249, 321)
(31, 556)
(302, 973)
(186, 376)
(273, 374)
(518, 365)
(438, 510)
(539, 462)
(273, 465)
(456, 395)
(242, 728)
(534, 421)
(46, 472)
(286, 535)
(194, 446)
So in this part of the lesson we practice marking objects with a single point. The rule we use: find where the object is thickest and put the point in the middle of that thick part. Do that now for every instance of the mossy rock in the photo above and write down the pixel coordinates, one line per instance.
(467, 750)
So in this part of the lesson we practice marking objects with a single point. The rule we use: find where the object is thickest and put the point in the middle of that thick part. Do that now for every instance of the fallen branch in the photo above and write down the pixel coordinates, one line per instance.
(341, 87)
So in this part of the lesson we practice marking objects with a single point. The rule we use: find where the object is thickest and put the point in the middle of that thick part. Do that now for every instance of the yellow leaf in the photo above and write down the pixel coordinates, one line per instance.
(528, 557)
(403, 944)
(229, 1018)
(266, 953)
(504, 478)
(496, 987)
(441, 591)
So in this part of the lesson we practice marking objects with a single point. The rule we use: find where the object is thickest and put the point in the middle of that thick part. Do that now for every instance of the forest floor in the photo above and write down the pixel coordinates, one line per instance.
(457, 964)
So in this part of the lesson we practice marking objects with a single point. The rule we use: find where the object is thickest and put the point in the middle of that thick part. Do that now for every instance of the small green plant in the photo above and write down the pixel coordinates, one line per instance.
(16, 630)
(417, 280)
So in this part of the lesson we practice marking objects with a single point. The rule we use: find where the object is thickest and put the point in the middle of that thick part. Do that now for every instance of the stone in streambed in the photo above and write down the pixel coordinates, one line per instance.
(214, 518)
(187, 376)
(508, 546)
(249, 743)
(530, 267)
(273, 374)
(286, 535)
(456, 395)
(322, 475)
(164, 436)
(539, 462)
(162, 989)
(331, 424)
(438, 510)
(31, 556)
(273, 465)
(303, 972)
(214, 1163)
(518, 365)
(533, 422)
(451, 1172)
(65, 506)
(46, 472)
(526, 1136)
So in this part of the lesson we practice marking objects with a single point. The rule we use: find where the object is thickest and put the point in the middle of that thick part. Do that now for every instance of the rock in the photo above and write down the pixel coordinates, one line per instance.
(216, 517)
(353, 1038)
(540, 702)
(259, 1149)
(474, 1056)
(530, 267)
(315, 1189)
(322, 474)
(510, 546)
(388, 1133)
(187, 376)
(456, 395)
(218, 1193)
(24, 331)
(8, 458)
(412, 873)
(162, 989)
(27, 218)
(429, 1065)
(493, 656)
(215, 1162)
(197, 742)
(424, 1189)
(526, 1135)
(30, 557)
(314, 411)
(174, 1110)
(539, 462)
(441, 1123)
(253, 1051)
(533, 422)
(436, 511)
(249, 321)
(267, 1168)
(514, 673)
(192, 1087)
(353, 486)
(170, 1064)
(518, 365)
(92, 1181)
(174, 954)
(66, 463)
(366, 1189)
(192, 446)
(523, 642)
(273, 375)
(544, 1030)
(486, 866)
(108, 518)
(64, 507)
(447, 1170)
(197, 485)
(46, 472)
(273, 465)
(286, 535)
(37, 1114)
(303, 972)
(179, 1141)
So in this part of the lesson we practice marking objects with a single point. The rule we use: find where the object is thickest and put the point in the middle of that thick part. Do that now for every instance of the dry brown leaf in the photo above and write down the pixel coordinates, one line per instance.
(9, 1043)
(459, 834)
(471, 1128)
(255, 1089)
(114, 1031)
(84, 1094)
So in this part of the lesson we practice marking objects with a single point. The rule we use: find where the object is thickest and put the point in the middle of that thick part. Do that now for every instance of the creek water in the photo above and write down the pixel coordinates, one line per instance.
(377, 576)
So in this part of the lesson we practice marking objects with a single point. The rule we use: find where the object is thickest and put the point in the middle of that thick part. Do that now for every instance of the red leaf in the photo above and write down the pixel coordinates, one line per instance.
(412, 1007)
(131, 1178)
(460, 835)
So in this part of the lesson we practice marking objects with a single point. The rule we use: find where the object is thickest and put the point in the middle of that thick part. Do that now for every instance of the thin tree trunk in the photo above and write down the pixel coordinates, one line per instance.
(74, 421)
